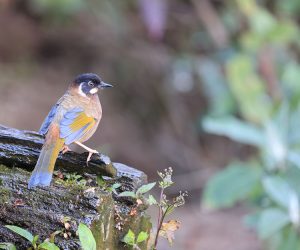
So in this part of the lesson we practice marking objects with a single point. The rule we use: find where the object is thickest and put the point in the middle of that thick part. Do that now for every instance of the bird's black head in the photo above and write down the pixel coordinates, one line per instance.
(89, 84)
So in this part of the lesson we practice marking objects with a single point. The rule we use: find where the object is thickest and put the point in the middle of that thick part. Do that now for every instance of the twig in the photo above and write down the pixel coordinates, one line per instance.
(160, 217)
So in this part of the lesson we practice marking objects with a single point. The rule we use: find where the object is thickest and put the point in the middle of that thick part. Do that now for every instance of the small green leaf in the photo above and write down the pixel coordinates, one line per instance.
(290, 240)
(232, 184)
(234, 129)
(270, 221)
(169, 210)
(116, 185)
(142, 237)
(215, 87)
(251, 220)
(100, 181)
(249, 90)
(7, 246)
(146, 188)
(52, 236)
(275, 148)
(22, 232)
(129, 238)
(279, 190)
(151, 200)
(127, 193)
(48, 246)
(86, 237)
(35, 239)
(66, 219)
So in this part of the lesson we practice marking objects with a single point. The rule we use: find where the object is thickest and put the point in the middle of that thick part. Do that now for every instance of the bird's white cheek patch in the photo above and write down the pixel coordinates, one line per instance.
(94, 90)
(80, 91)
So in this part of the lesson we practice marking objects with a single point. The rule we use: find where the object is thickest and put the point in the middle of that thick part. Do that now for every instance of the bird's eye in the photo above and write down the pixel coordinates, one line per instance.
(91, 84)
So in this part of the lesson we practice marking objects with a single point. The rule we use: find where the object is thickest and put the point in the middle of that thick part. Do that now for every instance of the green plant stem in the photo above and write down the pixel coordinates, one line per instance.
(160, 224)
(161, 217)
(158, 227)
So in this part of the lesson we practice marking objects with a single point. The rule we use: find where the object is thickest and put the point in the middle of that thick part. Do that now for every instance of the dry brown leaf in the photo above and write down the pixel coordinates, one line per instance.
(139, 202)
(133, 212)
(59, 175)
(167, 230)
(19, 203)
(67, 225)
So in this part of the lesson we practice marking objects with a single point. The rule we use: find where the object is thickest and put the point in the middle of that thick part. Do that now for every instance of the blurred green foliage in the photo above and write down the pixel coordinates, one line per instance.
(57, 8)
(263, 78)
(249, 78)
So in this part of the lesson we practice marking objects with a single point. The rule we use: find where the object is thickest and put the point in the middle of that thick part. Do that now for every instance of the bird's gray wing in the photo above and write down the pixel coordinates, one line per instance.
(46, 123)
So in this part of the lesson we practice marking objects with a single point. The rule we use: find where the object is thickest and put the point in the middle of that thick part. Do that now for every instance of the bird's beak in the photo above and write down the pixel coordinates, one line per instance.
(103, 85)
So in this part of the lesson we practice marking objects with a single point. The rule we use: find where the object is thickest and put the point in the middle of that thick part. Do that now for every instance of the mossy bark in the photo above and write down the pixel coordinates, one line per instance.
(44, 210)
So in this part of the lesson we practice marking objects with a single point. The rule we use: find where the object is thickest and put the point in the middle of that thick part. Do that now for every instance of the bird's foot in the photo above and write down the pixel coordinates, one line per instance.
(65, 149)
(91, 152)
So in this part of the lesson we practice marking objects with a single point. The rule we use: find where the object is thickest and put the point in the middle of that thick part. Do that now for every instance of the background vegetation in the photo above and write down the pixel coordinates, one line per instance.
(198, 85)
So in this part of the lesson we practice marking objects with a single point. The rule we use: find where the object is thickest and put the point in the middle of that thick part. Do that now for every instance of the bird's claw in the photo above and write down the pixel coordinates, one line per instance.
(65, 149)
(91, 152)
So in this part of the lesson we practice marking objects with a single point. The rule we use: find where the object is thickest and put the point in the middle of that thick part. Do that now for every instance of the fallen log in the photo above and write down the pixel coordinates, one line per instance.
(45, 210)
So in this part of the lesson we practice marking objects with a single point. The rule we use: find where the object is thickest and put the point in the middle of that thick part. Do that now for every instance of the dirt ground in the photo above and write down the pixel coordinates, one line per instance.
(212, 230)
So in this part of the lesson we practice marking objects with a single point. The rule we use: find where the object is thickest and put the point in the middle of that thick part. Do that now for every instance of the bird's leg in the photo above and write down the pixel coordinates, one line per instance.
(65, 149)
(91, 151)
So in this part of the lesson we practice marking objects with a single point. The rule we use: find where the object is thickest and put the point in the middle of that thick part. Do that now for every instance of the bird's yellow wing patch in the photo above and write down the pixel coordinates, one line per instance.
(75, 124)
(81, 121)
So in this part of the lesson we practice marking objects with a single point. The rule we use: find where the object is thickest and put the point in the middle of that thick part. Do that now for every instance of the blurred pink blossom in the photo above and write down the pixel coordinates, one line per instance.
(154, 14)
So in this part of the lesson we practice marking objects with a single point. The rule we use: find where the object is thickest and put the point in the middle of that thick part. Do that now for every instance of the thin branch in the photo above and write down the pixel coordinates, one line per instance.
(160, 216)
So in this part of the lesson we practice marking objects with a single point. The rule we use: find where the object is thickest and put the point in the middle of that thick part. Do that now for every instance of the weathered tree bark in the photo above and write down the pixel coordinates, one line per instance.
(43, 210)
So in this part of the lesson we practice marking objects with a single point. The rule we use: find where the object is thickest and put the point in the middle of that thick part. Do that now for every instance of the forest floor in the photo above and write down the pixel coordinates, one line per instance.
(214, 230)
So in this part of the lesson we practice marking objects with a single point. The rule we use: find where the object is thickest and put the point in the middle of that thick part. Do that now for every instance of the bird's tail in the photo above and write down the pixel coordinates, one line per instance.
(42, 173)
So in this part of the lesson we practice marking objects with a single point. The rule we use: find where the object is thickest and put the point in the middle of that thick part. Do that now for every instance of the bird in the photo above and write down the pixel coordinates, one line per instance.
(73, 119)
